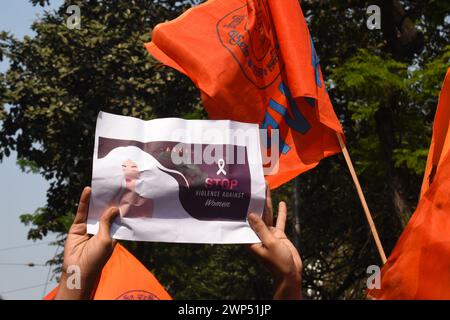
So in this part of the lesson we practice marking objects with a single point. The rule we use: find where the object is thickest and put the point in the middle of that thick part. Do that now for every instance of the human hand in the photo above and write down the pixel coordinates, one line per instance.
(276, 252)
(85, 252)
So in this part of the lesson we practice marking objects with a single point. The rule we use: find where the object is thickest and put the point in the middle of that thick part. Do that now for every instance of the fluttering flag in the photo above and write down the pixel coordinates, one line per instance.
(254, 61)
(125, 278)
(419, 266)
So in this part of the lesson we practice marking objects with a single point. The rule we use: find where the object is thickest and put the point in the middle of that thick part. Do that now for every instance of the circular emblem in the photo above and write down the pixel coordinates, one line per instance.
(247, 33)
(137, 295)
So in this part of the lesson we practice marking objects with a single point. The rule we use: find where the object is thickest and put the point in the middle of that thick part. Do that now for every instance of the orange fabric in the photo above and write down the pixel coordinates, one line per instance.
(254, 61)
(51, 295)
(440, 143)
(125, 278)
(419, 266)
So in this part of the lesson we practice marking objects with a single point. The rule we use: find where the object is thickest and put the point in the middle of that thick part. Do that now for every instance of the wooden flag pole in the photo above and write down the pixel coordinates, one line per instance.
(362, 198)
(296, 196)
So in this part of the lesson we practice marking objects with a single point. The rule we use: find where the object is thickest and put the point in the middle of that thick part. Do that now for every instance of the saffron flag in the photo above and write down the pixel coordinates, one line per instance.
(419, 266)
(440, 143)
(125, 278)
(254, 61)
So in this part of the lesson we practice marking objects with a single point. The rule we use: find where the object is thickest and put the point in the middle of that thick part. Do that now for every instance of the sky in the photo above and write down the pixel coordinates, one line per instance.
(23, 193)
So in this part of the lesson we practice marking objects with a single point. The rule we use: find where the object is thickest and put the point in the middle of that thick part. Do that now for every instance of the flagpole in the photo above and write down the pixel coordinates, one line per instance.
(362, 198)
(296, 196)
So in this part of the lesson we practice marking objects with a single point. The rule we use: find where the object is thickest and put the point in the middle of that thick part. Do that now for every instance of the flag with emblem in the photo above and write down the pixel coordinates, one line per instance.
(125, 278)
(254, 61)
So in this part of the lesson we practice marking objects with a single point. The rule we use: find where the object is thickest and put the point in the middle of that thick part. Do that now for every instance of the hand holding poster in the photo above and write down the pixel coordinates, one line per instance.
(177, 180)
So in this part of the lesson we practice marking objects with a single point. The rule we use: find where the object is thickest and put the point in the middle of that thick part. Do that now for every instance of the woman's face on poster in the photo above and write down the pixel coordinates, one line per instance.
(130, 170)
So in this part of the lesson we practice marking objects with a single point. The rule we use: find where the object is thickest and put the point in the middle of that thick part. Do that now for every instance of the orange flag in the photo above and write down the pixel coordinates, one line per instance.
(440, 143)
(419, 266)
(254, 61)
(125, 278)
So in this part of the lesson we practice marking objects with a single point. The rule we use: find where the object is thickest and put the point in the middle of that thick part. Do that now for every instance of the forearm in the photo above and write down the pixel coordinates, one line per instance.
(288, 288)
(73, 289)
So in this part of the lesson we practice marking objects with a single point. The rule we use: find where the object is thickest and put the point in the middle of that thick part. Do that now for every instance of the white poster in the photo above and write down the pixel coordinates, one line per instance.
(175, 180)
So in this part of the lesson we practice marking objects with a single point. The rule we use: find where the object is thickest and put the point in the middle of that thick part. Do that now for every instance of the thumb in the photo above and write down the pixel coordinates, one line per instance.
(106, 220)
